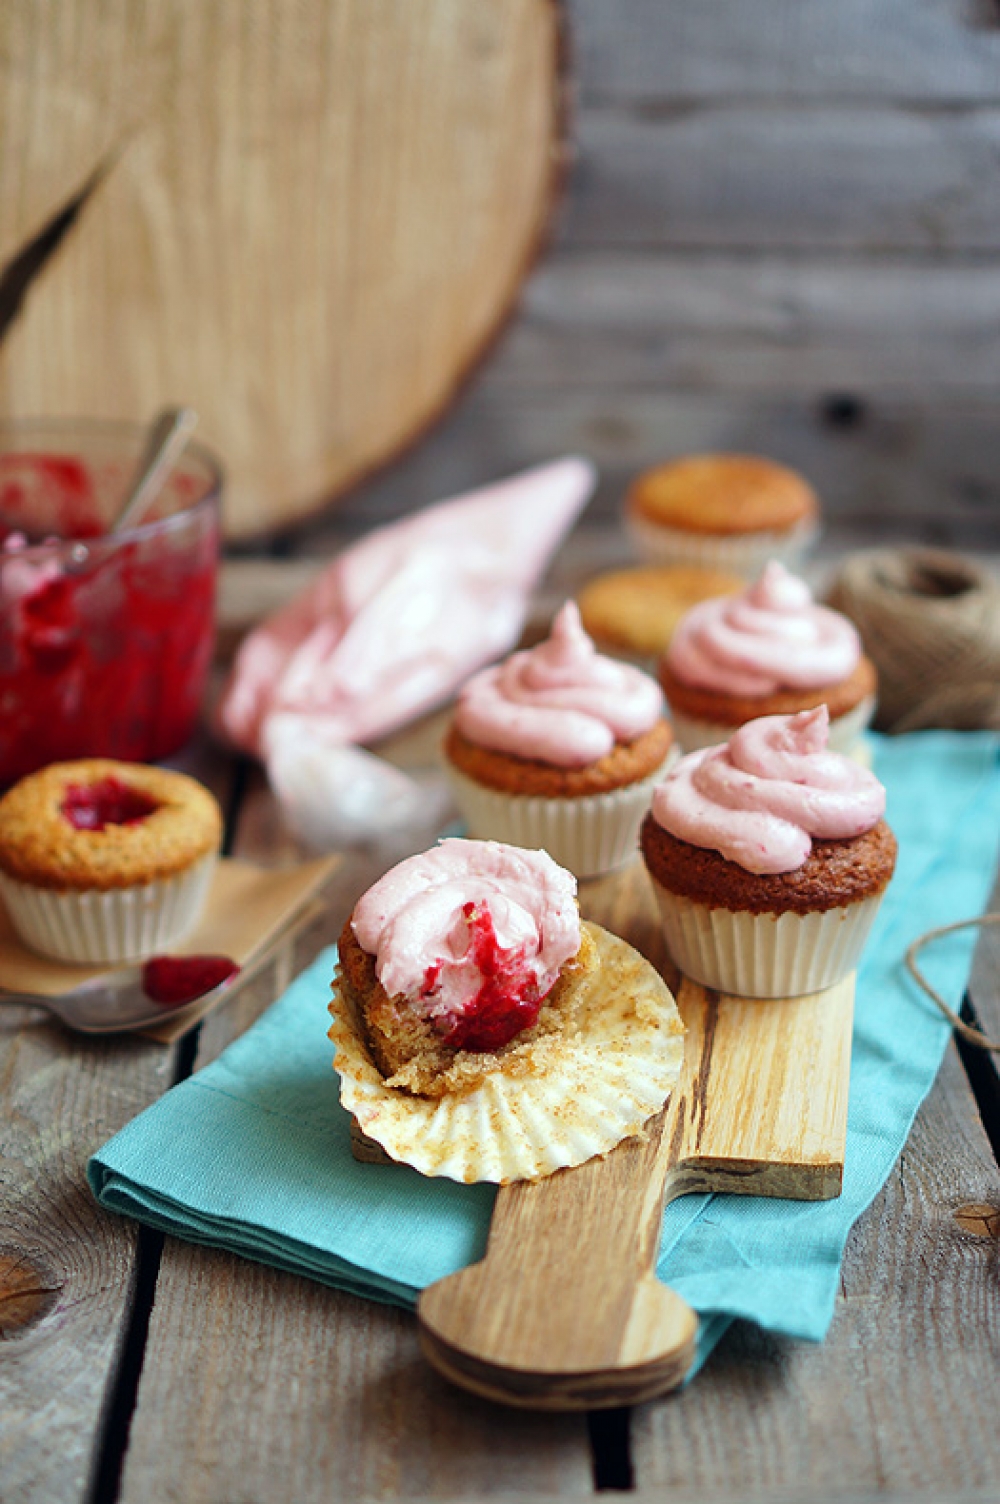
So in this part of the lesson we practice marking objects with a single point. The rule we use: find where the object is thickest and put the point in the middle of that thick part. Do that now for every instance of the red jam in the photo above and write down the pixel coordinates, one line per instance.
(506, 1003)
(107, 655)
(92, 806)
(173, 981)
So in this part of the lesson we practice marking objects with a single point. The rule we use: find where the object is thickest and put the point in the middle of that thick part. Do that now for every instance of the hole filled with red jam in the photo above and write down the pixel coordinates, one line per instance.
(92, 806)
(105, 650)
(172, 981)
(507, 1002)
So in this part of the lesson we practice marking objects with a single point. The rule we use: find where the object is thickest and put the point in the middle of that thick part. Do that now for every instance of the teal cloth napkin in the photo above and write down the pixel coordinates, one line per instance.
(253, 1153)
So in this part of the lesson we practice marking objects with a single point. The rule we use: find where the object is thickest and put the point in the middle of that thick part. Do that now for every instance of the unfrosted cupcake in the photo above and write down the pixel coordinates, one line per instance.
(721, 511)
(632, 613)
(769, 857)
(559, 747)
(482, 1031)
(770, 650)
(106, 861)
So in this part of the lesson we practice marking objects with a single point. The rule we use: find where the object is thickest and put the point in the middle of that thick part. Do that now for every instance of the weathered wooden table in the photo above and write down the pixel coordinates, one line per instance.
(140, 1368)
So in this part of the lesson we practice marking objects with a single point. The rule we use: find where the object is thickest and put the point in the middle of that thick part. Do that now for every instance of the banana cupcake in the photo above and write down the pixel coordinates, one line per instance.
(721, 511)
(559, 747)
(106, 861)
(769, 857)
(482, 1031)
(771, 650)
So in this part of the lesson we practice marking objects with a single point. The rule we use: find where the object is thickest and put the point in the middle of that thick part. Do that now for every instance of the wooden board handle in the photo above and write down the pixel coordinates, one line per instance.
(564, 1311)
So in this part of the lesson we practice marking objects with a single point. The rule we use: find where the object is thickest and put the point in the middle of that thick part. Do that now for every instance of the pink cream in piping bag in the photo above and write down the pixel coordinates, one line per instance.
(761, 799)
(473, 934)
(772, 636)
(561, 702)
(389, 630)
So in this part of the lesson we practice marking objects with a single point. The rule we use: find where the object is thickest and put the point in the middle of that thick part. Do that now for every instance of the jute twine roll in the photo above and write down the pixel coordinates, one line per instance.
(930, 622)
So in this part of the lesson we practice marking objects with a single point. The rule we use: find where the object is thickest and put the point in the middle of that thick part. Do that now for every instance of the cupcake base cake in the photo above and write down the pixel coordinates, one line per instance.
(769, 857)
(558, 748)
(721, 511)
(105, 861)
(487, 1034)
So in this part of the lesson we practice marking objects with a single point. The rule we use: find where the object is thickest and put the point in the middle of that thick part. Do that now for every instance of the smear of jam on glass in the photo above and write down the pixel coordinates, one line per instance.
(507, 1002)
(107, 801)
(172, 981)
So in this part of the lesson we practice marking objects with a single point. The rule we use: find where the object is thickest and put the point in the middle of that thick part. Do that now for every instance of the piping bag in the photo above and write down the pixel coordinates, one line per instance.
(387, 632)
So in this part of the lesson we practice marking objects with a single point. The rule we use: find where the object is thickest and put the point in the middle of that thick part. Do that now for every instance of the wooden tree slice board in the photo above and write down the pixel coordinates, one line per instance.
(305, 220)
(565, 1311)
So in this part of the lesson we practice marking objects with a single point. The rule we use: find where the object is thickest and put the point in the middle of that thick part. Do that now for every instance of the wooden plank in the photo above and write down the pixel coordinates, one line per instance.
(762, 323)
(858, 178)
(890, 470)
(899, 1398)
(270, 1386)
(61, 1097)
(67, 1269)
(928, 50)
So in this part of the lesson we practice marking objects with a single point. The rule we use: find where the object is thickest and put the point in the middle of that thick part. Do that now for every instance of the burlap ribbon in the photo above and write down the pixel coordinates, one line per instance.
(930, 622)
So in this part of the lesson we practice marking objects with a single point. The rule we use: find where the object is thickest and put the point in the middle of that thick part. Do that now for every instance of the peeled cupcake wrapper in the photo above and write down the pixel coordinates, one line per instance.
(587, 1089)
(94, 926)
(742, 553)
(764, 955)
(692, 734)
(588, 835)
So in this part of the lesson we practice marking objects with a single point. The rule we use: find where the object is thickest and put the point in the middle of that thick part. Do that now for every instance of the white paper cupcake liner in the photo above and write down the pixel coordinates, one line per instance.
(113, 925)
(743, 553)
(589, 835)
(586, 1090)
(764, 955)
(692, 734)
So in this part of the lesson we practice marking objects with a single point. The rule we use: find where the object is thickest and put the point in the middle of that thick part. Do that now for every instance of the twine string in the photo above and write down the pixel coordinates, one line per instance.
(930, 622)
(966, 1031)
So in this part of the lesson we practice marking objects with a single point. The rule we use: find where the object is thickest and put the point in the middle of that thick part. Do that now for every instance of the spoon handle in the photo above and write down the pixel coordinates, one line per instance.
(167, 438)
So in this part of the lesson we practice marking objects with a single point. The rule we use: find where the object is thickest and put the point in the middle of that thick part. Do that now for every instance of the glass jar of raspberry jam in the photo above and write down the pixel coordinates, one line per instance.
(105, 640)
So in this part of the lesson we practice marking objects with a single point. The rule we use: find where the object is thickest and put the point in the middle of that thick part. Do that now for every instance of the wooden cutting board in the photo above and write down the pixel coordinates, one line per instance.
(565, 1311)
(307, 220)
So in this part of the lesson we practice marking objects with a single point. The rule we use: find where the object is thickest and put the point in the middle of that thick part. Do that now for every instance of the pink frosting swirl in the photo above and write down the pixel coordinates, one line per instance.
(416, 922)
(561, 702)
(771, 637)
(762, 799)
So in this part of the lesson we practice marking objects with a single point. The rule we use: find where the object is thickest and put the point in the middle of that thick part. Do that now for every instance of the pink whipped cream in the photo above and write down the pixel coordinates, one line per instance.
(560, 702)
(772, 636)
(762, 798)
(471, 931)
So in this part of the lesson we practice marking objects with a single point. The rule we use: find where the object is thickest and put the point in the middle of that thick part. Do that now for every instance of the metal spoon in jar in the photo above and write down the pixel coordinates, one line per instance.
(136, 997)
(168, 436)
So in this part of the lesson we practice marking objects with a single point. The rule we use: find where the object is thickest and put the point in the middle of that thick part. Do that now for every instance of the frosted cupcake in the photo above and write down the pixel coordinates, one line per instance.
(769, 857)
(106, 861)
(482, 1031)
(721, 511)
(559, 747)
(770, 650)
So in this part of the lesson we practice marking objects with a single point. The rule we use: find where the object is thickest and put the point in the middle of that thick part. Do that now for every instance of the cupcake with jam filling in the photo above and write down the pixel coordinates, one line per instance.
(482, 1031)
(559, 747)
(106, 861)
(770, 650)
(769, 857)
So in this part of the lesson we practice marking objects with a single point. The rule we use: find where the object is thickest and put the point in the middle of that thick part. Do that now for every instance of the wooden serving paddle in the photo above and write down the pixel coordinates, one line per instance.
(565, 1311)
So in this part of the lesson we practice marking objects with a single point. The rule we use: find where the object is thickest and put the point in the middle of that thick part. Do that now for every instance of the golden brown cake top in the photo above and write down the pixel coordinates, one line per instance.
(100, 823)
(835, 873)
(732, 710)
(636, 610)
(627, 762)
(723, 494)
